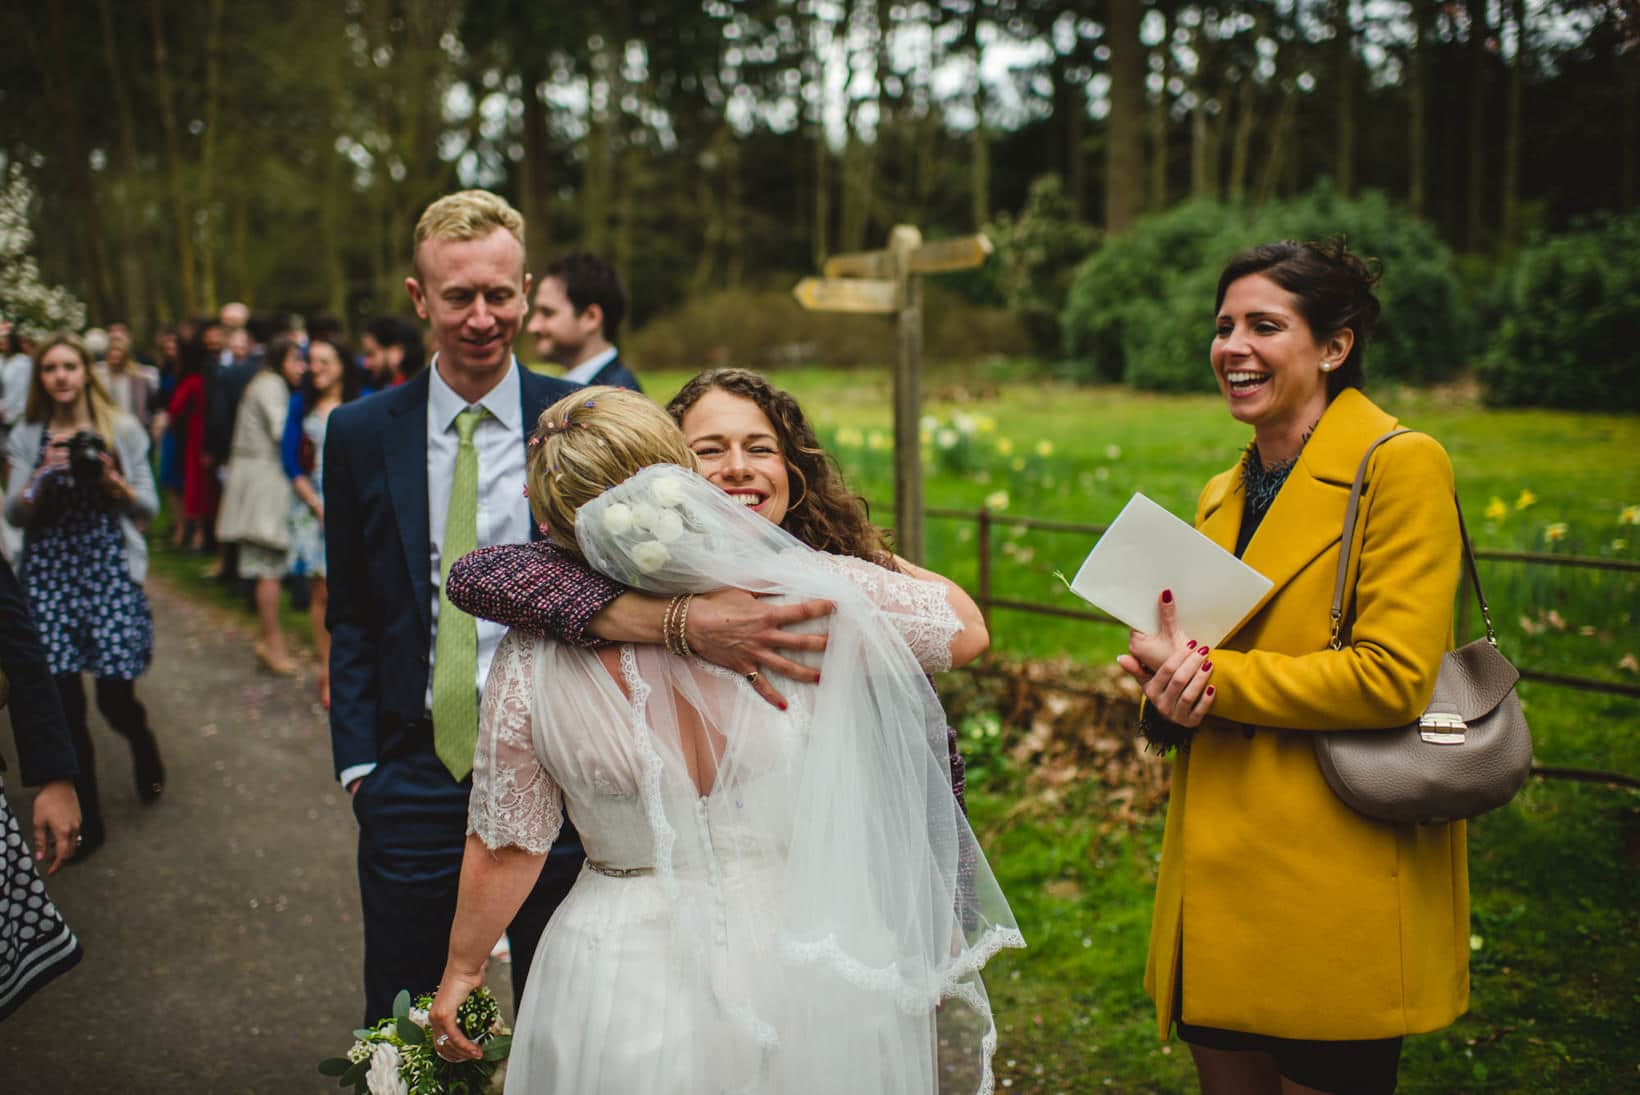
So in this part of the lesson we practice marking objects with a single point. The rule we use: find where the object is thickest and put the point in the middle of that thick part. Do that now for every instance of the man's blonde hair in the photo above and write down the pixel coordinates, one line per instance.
(590, 441)
(465, 215)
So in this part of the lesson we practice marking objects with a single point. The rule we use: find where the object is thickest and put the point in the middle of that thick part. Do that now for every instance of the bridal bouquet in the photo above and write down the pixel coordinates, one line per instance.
(395, 1057)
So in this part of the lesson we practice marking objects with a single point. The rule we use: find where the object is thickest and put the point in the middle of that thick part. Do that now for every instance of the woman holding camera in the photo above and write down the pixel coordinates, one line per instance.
(84, 558)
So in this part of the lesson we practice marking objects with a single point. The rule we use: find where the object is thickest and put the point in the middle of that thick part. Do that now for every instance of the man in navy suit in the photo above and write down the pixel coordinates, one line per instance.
(579, 305)
(398, 467)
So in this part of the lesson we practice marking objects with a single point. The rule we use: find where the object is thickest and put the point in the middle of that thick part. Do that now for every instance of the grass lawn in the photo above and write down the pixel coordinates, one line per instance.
(1555, 1003)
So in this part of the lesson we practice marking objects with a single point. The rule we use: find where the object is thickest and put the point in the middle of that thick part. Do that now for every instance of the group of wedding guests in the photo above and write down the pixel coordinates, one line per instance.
(663, 718)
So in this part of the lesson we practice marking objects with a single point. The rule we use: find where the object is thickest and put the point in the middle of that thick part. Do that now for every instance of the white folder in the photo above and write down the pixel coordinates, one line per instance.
(1146, 550)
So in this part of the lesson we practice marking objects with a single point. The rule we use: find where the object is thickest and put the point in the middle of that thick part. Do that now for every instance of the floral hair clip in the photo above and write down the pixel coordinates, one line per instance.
(534, 441)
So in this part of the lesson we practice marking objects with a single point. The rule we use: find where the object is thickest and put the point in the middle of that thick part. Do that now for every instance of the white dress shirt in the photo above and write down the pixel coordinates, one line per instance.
(586, 370)
(503, 511)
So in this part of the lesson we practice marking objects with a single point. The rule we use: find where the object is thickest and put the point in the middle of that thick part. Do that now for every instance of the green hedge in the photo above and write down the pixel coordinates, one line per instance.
(1567, 333)
(1140, 309)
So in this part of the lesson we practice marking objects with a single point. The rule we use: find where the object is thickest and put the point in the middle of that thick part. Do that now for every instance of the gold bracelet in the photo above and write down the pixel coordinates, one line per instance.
(683, 629)
(671, 632)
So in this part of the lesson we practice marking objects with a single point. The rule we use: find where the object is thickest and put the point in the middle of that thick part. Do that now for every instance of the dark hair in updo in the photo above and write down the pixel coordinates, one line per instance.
(1332, 288)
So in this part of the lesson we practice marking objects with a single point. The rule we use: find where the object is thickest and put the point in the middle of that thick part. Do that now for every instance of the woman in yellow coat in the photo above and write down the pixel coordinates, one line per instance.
(1295, 941)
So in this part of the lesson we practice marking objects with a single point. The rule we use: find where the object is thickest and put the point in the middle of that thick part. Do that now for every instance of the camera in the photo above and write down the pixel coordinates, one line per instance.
(85, 451)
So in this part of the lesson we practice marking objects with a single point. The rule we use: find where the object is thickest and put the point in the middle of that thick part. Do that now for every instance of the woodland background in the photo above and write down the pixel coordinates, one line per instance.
(188, 153)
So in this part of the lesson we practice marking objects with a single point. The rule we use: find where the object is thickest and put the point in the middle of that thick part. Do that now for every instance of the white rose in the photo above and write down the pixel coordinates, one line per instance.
(667, 527)
(617, 518)
(644, 515)
(650, 556)
(667, 490)
(383, 1077)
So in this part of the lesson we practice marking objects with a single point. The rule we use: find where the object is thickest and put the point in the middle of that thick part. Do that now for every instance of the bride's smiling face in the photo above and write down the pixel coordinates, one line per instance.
(739, 450)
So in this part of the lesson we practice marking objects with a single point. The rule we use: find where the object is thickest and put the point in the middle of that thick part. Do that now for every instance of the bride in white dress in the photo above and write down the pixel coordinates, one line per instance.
(775, 902)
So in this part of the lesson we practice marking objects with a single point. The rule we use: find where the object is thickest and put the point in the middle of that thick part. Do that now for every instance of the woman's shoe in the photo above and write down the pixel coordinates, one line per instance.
(150, 769)
(276, 666)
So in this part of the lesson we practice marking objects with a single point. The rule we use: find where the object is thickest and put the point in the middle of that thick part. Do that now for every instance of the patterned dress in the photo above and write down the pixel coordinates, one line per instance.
(307, 532)
(92, 617)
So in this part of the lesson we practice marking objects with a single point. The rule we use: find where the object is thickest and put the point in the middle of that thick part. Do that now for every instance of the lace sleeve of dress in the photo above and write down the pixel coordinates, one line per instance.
(515, 802)
(918, 609)
(535, 587)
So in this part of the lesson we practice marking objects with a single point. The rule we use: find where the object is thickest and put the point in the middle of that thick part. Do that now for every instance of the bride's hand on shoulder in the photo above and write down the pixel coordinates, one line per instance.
(1174, 671)
(743, 633)
(453, 989)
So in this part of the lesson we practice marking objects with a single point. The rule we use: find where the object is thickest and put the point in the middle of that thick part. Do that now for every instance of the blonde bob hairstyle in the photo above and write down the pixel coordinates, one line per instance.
(100, 406)
(465, 215)
(588, 442)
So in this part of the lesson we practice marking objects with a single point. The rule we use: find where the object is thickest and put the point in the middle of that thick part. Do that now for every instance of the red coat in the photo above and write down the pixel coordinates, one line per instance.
(199, 486)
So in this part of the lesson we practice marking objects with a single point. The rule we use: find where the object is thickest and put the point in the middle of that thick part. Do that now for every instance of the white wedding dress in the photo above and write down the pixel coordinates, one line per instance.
(774, 902)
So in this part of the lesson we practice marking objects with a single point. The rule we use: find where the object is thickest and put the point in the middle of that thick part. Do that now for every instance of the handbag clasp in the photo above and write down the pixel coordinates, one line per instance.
(1442, 728)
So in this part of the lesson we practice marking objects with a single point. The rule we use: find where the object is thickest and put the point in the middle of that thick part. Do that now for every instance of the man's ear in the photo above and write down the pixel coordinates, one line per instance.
(594, 313)
(417, 296)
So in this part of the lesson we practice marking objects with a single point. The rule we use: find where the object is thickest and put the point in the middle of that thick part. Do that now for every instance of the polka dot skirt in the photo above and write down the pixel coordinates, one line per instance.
(35, 944)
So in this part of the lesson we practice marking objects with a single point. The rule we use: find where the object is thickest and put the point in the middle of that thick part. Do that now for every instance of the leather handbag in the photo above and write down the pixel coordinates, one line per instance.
(1469, 752)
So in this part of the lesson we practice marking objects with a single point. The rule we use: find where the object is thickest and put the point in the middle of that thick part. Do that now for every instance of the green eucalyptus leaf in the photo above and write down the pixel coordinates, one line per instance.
(410, 1034)
(356, 1073)
(334, 1066)
(401, 1004)
(497, 1048)
(363, 1034)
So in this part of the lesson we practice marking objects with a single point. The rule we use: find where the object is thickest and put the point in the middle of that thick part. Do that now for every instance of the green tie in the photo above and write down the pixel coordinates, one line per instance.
(455, 648)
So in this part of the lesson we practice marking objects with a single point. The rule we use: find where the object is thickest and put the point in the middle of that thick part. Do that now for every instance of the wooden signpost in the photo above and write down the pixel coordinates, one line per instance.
(887, 283)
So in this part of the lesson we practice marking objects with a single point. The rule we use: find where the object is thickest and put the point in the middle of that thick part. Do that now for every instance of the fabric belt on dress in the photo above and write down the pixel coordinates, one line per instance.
(619, 872)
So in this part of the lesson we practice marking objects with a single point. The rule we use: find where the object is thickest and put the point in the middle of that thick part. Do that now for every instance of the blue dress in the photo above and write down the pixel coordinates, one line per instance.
(92, 617)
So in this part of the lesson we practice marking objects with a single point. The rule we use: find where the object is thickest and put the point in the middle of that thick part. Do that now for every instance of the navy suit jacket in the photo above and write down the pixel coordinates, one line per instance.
(379, 560)
(615, 375)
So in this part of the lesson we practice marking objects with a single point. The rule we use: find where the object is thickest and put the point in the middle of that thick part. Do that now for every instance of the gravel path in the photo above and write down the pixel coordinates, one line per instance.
(221, 925)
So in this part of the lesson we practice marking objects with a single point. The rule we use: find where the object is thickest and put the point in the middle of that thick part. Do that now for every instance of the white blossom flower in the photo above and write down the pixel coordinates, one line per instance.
(650, 556)
(617, 518)
(997, 500)
(667, 490)
(418, 1016)
(946, 439)
(644, 515)
(383, 1077)
(667, 527)
(358, 1053)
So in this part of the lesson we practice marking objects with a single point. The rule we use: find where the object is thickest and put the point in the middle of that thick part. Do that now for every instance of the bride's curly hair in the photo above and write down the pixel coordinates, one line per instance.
(825, 514)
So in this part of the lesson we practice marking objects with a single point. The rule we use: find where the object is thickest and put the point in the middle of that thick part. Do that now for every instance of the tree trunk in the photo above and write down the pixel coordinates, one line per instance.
(1418, 85)
(1160, 107)
(1476, 222)
(1344, 73)
(1512, 137)
(535, 173)
(1275, 155)
(1124, 126)
(1242, 140)
(94, 266)
(132, 241)
(818, 39)
(210, 139)
(175, 175)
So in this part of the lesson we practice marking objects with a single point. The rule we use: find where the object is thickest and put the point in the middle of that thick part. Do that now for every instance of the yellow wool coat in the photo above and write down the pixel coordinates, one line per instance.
(1284, 911)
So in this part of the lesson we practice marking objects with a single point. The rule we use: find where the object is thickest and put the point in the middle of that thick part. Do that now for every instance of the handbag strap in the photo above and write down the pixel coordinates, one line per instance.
(1352, 512)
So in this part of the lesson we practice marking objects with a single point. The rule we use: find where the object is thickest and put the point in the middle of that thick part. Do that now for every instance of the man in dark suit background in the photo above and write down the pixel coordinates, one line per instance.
(579, 305)
(414, 477)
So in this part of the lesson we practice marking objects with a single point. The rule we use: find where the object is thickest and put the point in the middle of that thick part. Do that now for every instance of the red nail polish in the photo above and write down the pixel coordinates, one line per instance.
(1209, 690)
(817, 678)
(1191, 644)
(1207, 667)
(1167, 596)
(782, 707)
(1202, 651)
